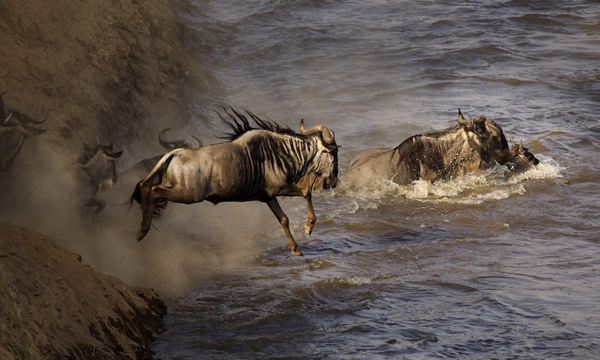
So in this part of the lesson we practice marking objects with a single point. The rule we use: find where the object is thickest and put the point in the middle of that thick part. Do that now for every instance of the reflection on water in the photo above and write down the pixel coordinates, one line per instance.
(492, 265)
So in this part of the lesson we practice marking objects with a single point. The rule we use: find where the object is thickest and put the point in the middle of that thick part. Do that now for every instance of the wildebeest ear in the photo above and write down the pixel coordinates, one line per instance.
(33, 131)
(8, 122)
(115, 155)
(88, 148)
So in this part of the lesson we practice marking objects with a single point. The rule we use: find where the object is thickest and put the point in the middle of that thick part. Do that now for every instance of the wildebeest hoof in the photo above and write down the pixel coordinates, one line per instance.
(297, 251)
(308, 227)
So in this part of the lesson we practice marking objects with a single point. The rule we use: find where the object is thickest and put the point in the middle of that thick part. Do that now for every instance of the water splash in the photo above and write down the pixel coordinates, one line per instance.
(494, 184)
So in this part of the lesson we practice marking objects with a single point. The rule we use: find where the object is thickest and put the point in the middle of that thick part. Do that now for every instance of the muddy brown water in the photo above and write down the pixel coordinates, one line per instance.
(493, 265)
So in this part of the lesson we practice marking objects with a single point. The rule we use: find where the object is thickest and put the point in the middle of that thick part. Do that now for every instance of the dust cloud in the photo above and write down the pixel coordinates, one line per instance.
(188, 244)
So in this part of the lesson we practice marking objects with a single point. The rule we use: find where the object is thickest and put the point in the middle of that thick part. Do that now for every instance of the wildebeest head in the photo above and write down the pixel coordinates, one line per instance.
(99, 163)
(520, 156)
(485, 137)
(325, 172)
(175, 144)
(14, 129)
(144, 166)
(97, 170)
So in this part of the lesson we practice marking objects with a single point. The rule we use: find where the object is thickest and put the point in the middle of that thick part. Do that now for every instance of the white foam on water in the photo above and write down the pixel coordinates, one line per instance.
(352, 280)
(548, 168)
(493, 184)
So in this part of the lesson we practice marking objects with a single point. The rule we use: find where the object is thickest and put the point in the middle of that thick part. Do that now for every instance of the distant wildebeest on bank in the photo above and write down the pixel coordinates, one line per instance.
(95, 170)
(175, 144)
(464, 148)
(257, 163)
(15, 127)
(146, 165)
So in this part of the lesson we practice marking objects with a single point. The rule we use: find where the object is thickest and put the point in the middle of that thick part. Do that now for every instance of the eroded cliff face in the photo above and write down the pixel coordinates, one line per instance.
(54, 307)
(110, 70)
(107, 69)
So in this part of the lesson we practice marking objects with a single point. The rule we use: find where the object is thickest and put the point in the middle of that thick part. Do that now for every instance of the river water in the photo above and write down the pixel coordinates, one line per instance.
(493, 265)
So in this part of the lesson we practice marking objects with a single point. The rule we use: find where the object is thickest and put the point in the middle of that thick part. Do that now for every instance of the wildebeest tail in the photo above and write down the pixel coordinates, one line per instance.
(137, 195)
(149, 181)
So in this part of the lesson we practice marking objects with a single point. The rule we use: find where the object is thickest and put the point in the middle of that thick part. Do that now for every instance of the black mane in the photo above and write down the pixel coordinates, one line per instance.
(406, 147)
(240, 124)
(436, 134)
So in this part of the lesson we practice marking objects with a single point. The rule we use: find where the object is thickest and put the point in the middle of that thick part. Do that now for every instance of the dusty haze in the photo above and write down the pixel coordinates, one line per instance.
(114, 74)
(108, 72)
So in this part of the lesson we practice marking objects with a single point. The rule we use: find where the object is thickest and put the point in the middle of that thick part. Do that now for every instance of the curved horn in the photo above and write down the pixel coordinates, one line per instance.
(31, 120)
(512, 142)
(31, 131)
(167, 144)
(462, 121)
(312, 130)
(6, 121)
(328, 135)
(199, 142)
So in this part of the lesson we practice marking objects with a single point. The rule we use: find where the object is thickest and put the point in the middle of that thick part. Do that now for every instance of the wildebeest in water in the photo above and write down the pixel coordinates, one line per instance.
(464, 148)
(257, 163)
(518, 157)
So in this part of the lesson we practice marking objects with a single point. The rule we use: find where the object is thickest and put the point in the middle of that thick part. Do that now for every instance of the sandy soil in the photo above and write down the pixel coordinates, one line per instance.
(53, 306)
(109, 70)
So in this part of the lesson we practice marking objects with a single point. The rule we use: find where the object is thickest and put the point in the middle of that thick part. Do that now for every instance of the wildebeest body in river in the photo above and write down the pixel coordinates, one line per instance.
(464, 148)
(257, 163)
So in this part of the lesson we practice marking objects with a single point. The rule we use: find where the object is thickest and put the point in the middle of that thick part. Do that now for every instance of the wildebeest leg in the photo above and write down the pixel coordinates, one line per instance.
(284, 221)
(311, 218)
(100, 204)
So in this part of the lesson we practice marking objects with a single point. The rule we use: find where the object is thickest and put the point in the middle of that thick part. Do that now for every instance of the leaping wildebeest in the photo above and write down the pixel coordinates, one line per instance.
(257, 163)
(95, 170)
(464, 148)
(15, 127)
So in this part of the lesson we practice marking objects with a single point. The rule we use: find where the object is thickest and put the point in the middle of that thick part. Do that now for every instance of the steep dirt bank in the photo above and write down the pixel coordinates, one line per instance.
(109, 70)
(54, 307)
